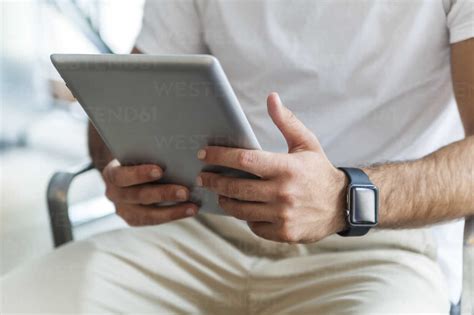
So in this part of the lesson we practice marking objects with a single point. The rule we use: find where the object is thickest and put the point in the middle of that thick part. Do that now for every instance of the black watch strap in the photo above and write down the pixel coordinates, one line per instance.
(355, 176)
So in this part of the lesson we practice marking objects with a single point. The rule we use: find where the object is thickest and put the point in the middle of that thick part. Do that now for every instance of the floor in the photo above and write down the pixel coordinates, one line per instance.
(24, 229)
(25, 232)
(54, 140)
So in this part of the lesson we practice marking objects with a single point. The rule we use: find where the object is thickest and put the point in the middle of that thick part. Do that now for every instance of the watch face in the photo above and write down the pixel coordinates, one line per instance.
(363, 205)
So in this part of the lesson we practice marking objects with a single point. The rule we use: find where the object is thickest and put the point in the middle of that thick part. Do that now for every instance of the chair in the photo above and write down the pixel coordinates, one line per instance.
(62, 226)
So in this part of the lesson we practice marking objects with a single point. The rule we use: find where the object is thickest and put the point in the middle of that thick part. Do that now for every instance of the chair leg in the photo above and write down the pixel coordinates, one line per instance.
(57, 195)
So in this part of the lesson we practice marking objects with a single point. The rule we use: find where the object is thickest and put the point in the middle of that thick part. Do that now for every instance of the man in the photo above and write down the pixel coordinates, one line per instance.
(364, 84)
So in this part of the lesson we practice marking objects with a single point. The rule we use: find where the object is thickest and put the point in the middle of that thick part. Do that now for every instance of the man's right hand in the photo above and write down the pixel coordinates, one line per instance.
(137, 195)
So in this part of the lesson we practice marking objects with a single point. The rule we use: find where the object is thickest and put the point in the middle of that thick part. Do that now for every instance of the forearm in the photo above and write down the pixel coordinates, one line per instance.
(98, 151)
(438, 187)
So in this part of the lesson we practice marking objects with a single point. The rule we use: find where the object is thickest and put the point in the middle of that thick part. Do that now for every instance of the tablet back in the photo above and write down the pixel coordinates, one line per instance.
(160, 110)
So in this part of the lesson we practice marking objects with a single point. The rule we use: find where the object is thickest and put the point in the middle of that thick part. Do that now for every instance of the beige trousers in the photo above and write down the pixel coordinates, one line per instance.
(215, 265)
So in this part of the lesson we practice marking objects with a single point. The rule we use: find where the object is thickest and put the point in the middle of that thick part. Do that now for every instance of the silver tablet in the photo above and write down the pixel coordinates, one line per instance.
(160, 109)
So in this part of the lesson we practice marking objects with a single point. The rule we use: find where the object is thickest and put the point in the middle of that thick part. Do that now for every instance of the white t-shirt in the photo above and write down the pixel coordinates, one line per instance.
(371, 78)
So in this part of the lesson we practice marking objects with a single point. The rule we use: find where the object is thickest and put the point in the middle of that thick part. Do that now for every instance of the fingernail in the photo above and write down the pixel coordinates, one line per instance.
(190, 212)
(155, 173)
(199, 181)
(278, 98)
(181, 194)
(201, 154)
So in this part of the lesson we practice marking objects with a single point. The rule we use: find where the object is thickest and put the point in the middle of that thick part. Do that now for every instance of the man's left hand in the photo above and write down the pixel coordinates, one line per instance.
(300, 196)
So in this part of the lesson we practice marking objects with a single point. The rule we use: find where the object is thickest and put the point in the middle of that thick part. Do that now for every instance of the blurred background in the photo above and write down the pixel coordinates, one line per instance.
(42, 128)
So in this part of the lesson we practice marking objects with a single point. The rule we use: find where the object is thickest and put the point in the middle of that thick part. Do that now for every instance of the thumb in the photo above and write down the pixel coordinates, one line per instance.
(297, 136)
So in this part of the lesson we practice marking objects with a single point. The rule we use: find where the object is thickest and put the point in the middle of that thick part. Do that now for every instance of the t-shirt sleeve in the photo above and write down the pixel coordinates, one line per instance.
(171, 27)
(460, 20)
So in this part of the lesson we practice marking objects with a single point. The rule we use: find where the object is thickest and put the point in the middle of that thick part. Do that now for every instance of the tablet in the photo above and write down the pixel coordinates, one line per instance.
(160, 109)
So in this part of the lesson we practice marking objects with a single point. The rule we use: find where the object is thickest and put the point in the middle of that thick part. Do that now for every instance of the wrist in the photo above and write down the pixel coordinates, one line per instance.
(339, 204)
(362, 203)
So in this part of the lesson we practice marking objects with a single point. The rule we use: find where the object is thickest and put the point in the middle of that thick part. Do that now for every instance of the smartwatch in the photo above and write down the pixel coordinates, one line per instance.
(362, 203)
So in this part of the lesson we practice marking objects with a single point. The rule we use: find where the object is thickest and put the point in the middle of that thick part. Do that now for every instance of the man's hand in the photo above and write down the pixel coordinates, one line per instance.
(300, 196)
(133, 189)
(136, 195)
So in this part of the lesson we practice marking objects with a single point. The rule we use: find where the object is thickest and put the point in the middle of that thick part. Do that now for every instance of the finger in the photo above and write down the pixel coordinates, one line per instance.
(261, 163)
(149, 194)
(237, 188)
(247, 211)
(138, 215)
(125, 176)
(297, 136)
(277, 232)
(265, 230)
